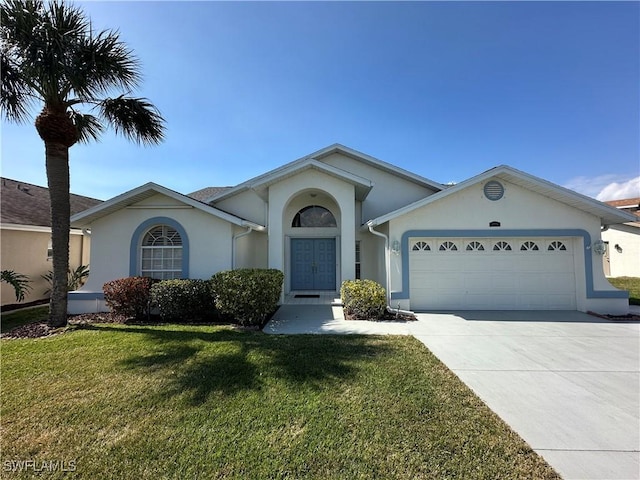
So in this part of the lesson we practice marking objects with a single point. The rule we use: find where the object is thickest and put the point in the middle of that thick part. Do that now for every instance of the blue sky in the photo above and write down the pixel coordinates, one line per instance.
(445, 90)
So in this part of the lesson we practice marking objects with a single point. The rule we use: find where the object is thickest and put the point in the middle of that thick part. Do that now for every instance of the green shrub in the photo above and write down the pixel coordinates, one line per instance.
(363, 299)
(129, 296)
(75, 278)
(18, 281)
(248, 294)
(184, 299)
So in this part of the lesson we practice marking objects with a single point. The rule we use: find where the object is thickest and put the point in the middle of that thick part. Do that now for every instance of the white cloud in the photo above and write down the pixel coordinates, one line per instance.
(606, 187)
(619, 191)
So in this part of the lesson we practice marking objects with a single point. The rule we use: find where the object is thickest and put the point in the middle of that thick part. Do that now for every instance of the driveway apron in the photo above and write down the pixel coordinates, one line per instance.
(568, 383)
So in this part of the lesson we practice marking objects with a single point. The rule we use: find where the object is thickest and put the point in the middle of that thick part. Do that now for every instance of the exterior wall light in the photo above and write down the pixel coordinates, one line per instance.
(599, 247)
(395, 247)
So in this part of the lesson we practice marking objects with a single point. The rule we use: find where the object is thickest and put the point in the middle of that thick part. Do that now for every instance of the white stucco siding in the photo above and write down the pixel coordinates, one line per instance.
(624, 261)
(209, 240)
(251, 250)
(340, 193)
(246, 205)
(529, 214)
(389, 193)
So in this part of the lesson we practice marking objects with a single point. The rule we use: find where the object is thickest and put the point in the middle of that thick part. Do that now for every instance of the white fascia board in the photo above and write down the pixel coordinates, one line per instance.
(609, 215)
(34, 228)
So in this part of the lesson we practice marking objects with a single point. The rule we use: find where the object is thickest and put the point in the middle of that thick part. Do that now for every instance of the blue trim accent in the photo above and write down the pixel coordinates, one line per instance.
(86, 296)
(143, 228)
(586, 237)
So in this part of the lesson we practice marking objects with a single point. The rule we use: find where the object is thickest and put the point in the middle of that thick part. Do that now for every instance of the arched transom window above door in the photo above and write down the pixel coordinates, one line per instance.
(314, 216)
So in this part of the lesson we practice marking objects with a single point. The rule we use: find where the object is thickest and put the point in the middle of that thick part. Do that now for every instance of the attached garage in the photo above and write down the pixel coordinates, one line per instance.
(492, 273)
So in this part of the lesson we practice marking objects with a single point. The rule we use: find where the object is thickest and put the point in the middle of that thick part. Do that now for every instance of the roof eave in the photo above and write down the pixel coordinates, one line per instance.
(607, 214)
(141, 193)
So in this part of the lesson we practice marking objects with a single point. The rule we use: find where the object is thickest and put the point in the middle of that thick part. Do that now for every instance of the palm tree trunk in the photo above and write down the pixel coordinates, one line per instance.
(57, 164)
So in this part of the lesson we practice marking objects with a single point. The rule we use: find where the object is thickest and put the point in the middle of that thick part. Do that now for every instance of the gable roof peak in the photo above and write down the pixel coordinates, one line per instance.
(318, 156)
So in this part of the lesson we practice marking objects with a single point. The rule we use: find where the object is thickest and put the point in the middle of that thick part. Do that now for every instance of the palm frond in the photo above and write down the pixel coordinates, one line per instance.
(15, 99)
(135, 118)
(88, 126)
(103, 62)
(18, 281)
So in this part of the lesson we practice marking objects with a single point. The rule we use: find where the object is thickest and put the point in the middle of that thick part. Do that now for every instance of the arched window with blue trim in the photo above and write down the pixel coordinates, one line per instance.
(161, 253)
(160, 249)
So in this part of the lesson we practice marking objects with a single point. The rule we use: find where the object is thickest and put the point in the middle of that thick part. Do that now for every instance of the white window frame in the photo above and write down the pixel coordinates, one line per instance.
(167, 250)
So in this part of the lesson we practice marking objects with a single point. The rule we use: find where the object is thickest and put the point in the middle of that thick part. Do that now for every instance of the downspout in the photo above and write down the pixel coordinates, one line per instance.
(233, 246)
(86, 232)
(387, 261)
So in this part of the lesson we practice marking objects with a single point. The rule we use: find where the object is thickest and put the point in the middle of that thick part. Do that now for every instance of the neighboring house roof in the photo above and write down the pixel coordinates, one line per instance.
(607, 214)
(204, 193)
(148, 190)
(629, 205)
(313, 160)
(27, 204)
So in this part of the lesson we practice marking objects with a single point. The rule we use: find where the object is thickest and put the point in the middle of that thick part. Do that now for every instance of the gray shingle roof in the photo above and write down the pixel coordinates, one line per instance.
(22, 203)
(204, 193)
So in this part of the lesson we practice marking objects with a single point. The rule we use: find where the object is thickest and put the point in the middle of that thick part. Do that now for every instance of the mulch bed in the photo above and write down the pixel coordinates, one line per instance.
(42, 329)
(631, 317)
(387, 317)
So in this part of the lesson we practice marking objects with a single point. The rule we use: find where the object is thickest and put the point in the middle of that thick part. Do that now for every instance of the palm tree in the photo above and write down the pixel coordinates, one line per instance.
(50, 58)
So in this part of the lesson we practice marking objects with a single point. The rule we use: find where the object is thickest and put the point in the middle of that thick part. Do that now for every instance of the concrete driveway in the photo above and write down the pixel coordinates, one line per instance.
(568, 383)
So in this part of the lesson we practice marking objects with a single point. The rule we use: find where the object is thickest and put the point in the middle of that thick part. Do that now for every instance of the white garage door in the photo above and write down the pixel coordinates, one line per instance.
(492, 274)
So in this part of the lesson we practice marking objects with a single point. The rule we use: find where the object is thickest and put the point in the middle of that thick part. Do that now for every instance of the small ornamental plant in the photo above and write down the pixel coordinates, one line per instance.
(363, 299)
(249, 295)
(130, 296)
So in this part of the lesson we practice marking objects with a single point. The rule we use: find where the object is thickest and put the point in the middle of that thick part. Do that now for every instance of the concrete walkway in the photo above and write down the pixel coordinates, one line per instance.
(566, 382)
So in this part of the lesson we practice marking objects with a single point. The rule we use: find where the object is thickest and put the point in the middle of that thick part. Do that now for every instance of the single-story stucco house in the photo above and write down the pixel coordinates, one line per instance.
(25, 231)
(622, 258)
(503, 239)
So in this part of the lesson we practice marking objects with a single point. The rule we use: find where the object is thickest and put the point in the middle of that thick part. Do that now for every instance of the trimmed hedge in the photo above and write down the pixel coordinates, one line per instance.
(130, 296)
(250, 295)
(184, 299)
(363, 299)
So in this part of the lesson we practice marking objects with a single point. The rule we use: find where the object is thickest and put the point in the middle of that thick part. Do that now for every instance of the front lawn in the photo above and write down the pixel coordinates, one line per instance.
(630, 284)
(183, 401)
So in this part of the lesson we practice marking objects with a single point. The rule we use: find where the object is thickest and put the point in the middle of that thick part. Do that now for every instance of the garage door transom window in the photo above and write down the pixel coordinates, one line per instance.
(475, 246)
(557, 245)
(448, 247)
(421, 246)
(529, 246)
(502, 246)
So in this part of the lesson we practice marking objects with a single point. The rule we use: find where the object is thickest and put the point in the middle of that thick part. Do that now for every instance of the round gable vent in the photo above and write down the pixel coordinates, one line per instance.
(493, 190)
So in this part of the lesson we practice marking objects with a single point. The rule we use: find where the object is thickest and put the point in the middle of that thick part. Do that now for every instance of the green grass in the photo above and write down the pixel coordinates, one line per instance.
(12, 320)
(171, 401)
(630, 284)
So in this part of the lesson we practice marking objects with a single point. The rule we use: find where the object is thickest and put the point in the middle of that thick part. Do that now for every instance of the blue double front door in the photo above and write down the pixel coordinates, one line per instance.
(313, 264)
